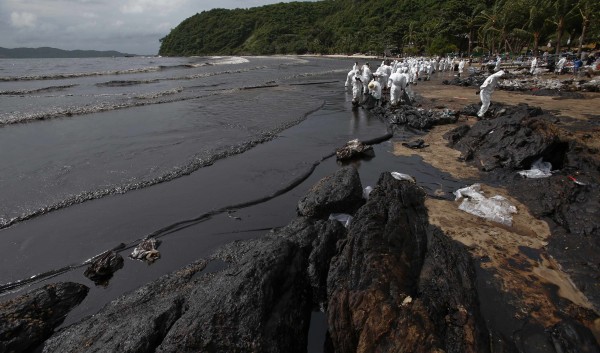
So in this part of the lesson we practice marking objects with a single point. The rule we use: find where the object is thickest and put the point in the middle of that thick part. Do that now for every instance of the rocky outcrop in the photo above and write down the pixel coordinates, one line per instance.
(338, 193)
(415, 117)
(390, 282)
(26, 321)
(398, 284)
(515, 138)
(569, 199)
(259, 301)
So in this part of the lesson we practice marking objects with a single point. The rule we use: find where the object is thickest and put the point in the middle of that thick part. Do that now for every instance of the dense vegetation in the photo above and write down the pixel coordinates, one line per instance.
(392, 26)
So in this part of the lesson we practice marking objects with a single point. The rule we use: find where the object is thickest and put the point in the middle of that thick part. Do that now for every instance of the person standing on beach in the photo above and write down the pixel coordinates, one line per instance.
(461, 67)
(397, 83)
(533, 65)
(560, 65)
(485, 91)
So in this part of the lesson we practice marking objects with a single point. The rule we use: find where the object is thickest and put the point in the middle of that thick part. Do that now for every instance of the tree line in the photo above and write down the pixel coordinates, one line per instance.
(426, 27)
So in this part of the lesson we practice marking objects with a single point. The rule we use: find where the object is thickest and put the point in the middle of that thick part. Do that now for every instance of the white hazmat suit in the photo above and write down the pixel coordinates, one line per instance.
(375, 89)
(397, 83)
(485, 91)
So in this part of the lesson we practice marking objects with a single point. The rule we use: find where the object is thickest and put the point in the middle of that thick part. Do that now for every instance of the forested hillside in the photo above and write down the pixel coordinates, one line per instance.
(396, 26)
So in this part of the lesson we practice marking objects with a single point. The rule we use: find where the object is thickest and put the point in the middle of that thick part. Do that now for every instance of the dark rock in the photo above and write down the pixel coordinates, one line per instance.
(417, 118)
(103, 267)
(515, 138)
(136, 322)
(391, 289)
(456, 134)
(416, 144)
(338, 193)
(261, 303)
(319, 239)
(26, 321)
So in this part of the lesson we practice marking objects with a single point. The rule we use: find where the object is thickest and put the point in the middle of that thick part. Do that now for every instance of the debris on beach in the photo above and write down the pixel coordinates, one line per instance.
(146, 251)
(354, 149)
(343, 218)
(539, 169)
(402, 176)
(102, 268)
(496, 208)
(416, 144)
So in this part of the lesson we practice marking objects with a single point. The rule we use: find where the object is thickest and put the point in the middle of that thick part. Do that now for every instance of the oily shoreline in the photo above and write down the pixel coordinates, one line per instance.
(373, 294)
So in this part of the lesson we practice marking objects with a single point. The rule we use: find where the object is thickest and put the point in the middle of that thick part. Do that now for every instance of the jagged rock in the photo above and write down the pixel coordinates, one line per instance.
(103, 267)
(26, 321)
(419, 118)
(388, 258)
(515, 138)
(319, 239)
(132, 323)
(338, 193)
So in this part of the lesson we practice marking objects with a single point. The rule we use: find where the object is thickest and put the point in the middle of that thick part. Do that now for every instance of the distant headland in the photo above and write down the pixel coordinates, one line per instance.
(47, 52)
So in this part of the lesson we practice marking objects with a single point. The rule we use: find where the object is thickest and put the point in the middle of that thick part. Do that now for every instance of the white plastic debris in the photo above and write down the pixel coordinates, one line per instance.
(496, 208)
(539, 169)
(367, 192)
(343, 218)
(401, 176)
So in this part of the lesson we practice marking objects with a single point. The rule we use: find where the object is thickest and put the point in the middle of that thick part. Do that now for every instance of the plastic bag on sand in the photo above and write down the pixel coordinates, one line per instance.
(496, 208)
(401, 176)
(343, 218)
(539, 169)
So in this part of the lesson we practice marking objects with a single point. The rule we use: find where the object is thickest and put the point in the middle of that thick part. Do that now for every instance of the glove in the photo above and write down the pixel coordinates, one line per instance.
(476, 93)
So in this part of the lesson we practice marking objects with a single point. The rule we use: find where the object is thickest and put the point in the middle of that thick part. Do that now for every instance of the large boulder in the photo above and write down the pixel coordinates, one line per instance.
(339, 193)
(399, 285)
(26, 321)
(514, 139)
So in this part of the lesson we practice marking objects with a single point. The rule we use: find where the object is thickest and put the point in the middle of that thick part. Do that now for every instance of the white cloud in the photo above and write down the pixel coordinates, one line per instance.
(23, 19)
(153, 6)
(89, 15)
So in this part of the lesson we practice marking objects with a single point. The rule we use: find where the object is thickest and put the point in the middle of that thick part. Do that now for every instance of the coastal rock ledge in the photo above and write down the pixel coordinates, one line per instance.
(390, 282)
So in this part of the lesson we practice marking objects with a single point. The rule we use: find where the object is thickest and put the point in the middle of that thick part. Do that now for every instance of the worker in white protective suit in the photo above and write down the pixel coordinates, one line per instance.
(560, 65)
(350, 77)
(357, 88)
(375, 90)
(397, 83)
(367, 76)
(533, 65)
(381, 75)
(485, 91)
(498, 62)
(461, 67)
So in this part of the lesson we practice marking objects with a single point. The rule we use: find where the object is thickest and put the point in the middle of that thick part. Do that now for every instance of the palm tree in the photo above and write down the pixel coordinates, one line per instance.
(563, 9)
(588, 9)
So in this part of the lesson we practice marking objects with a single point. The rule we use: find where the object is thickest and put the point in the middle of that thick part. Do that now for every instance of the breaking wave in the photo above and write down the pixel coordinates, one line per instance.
(37, 90)
(193, 165)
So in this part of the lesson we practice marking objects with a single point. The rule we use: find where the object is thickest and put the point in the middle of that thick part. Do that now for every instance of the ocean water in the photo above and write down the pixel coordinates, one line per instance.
(79, 129)
(106, 151)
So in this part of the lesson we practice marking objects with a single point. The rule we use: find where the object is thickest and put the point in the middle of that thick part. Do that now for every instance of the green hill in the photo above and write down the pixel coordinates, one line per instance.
(47, 52)
(378, 26)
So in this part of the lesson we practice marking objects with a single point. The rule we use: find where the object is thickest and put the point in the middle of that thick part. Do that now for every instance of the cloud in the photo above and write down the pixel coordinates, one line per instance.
(23, 19)
(154, 6)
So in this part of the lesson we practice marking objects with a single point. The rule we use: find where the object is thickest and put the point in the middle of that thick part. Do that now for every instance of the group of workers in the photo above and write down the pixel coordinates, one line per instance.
(397, 75)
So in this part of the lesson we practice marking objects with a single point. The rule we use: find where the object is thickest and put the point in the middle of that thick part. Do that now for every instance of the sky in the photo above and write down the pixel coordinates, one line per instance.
(128, 26)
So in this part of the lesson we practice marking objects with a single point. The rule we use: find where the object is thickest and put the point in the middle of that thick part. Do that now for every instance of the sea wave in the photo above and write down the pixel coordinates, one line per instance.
(37, 90)
(200, 161)
(123, 83)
